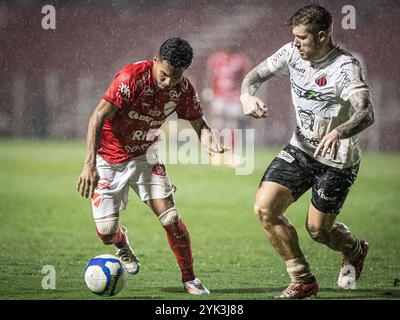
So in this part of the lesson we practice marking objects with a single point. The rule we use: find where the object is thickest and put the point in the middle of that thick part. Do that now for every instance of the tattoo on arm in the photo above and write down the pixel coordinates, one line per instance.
(361, 119)
(255, 78)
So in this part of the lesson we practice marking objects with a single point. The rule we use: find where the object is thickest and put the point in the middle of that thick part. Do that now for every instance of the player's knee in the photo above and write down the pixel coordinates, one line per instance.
(259, 211)
(169, 217)
(264, 214)
(318, 235)
(107, 229)
(173, 224)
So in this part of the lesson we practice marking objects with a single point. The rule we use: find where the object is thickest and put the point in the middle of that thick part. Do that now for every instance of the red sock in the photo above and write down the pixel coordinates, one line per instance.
(118, 239)
(179, 241)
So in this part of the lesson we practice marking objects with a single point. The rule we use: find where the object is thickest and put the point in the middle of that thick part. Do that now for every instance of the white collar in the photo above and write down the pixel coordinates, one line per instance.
(319, 62)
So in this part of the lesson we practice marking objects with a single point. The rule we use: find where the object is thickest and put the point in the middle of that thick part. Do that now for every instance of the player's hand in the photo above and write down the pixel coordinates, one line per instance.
(253, 106)
(329, 142)
(216, 149)
(87, 181)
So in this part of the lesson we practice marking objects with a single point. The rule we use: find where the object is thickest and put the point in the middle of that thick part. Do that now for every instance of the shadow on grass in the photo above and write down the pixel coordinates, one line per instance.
(324, 294)
(230, 290)
(139, 298)
(361, 293)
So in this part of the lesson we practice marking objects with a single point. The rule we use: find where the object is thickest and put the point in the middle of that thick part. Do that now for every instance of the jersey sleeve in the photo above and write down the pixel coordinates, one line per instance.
(121, 90)
(351, 79)
(278, 63)
(189, 106)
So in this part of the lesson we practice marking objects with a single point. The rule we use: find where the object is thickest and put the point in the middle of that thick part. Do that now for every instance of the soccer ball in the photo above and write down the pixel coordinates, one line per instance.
(105, 275)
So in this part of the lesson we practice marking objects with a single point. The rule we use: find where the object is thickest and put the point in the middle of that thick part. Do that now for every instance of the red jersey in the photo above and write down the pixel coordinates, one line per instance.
(228, 71)
(142, 107)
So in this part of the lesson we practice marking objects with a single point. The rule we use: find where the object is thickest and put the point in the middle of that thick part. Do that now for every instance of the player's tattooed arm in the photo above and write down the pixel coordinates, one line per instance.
(253, 106)
(89, 177)
(207, 137)
(255, 78)
(361, 119)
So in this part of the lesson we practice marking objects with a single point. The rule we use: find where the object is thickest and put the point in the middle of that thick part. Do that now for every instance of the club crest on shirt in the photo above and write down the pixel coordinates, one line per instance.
(159, 170)
(103, 184)
(321, 80)
(174, 95)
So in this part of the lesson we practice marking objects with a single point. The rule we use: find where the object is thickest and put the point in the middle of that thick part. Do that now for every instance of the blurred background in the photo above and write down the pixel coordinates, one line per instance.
(51, 80)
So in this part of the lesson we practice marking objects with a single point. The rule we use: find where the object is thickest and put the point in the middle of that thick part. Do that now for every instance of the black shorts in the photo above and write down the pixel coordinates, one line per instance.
(298, 171)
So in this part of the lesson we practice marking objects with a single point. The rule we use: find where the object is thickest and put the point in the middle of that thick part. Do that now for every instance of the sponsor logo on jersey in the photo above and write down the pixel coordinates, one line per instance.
(279, 55)
(313, 142)
(139, 135)
(307, 118)
(145, 135)
(295, 67)
(154, 113)
(196, 102)
(149, 120)
(285, 156)
(346, 78)
(321, 81)
(352, 61)
(142, 80)
(308, 94)
(138, 148)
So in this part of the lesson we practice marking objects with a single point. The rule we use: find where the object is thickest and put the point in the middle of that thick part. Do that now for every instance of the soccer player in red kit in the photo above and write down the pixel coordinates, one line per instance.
(120, 135)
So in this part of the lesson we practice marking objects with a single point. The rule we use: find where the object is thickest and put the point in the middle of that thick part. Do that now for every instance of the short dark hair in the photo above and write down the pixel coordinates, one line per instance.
(314, 16)
(177, 52)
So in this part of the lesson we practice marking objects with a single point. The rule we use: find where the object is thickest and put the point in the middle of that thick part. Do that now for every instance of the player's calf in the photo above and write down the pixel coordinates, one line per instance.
(110, 232)
(319, 235)
(338, 238)
(179, 241)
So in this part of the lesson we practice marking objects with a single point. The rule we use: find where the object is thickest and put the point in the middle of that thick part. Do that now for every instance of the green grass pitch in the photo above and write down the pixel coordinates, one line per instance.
(43, 221)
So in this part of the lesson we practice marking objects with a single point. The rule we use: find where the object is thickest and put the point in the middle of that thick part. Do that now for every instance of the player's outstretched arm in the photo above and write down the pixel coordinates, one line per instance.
(253, 106)
(359, 121)
(207, 137)
(89, 177)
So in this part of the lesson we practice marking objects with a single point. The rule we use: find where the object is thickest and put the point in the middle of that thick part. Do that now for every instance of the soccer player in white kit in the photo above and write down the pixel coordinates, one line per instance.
(332, 103)
(119, 155)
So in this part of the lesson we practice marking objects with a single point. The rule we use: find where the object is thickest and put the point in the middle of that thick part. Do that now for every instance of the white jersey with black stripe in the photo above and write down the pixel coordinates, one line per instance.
(320, 96)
